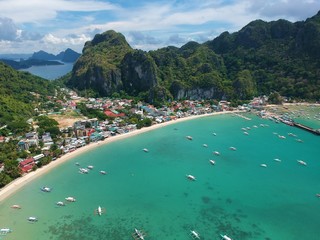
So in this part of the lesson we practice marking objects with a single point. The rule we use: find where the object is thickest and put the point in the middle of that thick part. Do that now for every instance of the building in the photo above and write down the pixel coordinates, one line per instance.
(27, 165)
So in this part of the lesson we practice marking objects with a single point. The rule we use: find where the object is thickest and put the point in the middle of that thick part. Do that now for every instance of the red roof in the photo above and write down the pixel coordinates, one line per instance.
(27, 168)
(26, 162)
(109, 113)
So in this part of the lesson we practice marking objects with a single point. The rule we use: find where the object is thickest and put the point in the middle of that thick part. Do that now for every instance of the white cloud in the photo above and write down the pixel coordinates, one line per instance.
(146, 25)
(22, 11)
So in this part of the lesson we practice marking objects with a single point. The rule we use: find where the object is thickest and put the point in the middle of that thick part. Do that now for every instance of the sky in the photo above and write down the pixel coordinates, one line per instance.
(28, 26)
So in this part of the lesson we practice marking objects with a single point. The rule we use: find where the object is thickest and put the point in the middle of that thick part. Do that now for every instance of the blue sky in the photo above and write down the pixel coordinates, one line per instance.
(27, 26)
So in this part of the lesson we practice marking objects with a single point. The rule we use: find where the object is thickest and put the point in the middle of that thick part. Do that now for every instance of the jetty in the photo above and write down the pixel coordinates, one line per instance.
(244, 117)
(306, 128)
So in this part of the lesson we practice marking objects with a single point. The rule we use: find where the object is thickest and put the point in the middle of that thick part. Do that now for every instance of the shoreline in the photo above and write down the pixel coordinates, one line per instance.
(18, 183)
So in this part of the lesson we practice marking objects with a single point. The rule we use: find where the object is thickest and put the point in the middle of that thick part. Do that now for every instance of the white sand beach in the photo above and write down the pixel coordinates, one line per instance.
(22, 181)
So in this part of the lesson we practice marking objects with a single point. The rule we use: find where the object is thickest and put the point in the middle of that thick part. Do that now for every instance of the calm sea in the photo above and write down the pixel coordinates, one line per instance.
(50, 72)
(150, 191)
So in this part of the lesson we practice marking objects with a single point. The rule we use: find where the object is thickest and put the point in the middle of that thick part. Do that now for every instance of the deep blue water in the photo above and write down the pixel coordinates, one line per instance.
(50, 72)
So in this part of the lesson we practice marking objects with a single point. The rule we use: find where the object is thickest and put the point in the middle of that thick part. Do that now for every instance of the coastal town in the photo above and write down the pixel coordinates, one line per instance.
(120, 116)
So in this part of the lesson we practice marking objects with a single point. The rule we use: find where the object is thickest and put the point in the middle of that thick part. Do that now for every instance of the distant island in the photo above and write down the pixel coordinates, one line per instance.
(42, 58)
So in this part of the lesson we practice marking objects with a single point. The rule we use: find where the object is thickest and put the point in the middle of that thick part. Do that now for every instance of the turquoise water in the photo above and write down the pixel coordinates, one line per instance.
(50, 72)
(150, 191)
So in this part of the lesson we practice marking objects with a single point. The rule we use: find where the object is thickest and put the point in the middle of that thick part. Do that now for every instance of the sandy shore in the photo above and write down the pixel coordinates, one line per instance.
(22, 181)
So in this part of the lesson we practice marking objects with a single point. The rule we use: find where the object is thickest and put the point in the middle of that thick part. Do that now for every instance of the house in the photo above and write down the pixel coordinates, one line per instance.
(27, 165)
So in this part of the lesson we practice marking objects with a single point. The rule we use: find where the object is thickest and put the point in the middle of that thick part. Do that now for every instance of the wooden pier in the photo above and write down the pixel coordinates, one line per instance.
(304, 127)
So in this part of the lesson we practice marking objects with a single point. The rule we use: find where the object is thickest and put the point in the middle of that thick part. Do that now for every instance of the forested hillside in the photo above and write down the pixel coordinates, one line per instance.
(261, 58)
(20, 92)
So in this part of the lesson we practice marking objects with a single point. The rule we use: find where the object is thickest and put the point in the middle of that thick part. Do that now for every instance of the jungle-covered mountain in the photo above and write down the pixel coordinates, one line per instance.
(20, 93)
(260, 58)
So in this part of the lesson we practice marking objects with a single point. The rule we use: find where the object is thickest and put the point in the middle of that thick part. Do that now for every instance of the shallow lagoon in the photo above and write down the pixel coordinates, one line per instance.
(150, 191)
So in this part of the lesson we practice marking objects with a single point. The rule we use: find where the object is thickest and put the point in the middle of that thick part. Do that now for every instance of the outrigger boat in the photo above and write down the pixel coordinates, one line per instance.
(145, 150)
(45, 189)
(32, 219)
(191, 177)
(194, 234)
(216, 153)
(225, 237)
(212, 162)
(302, 162)
(16, 206)
(138, 234)
(103, 172)
(5, 231)
(189, 137)
(60, 203)
(90, 167)
(99, 211)
(83, 170)
(70, 199)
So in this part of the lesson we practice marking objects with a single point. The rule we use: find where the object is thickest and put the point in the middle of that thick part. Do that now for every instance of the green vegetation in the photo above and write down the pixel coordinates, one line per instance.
(261, 58)
(20, 93)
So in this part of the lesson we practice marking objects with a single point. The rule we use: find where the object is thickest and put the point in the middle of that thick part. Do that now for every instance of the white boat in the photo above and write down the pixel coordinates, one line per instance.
(83, 170)
(138, 234)
(302, 162)
(60, 203)
(45, 189)
(233, 148)
(70, 199)
(205, 145)
(263, 165)
(194, 234)
(216, 153)
(32, 219)
(277, 160)
(246, 133)
(189, 137)
(5, 231)
(281, 136)
(225, 237)
(103, 172)
(214, 134)
(99, 211)
(212, 162)
(191, 177)
(90, 167)
(145, 150)
(16, 206)
(78, 164)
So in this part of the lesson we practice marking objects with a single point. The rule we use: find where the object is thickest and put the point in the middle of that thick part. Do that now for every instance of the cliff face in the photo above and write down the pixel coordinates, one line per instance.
(138, 73)
(260, 58)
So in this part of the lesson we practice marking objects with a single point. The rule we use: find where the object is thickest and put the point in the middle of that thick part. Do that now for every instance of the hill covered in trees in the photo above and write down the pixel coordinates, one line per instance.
(20, 94)
(260, 58)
